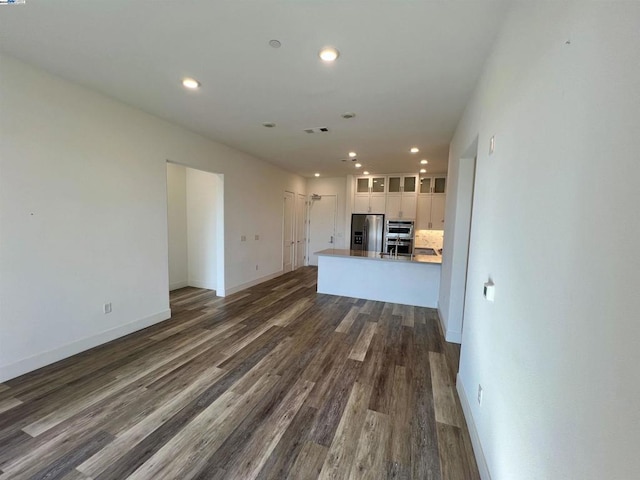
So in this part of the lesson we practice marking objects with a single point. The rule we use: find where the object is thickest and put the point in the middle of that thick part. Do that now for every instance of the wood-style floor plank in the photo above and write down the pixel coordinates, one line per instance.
(274, 382)
(370, 461)
(308, 462)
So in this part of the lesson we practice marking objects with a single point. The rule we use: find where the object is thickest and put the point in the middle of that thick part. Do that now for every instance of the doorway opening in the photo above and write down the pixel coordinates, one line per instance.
(464, 226)
(322, 224)
(195, 221)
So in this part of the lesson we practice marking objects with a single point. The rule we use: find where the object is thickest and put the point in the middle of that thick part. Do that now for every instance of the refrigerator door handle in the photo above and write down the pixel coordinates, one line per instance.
(365, 242)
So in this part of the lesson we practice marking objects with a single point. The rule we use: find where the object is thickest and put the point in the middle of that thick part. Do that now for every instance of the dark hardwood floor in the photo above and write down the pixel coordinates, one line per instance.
(274, 382)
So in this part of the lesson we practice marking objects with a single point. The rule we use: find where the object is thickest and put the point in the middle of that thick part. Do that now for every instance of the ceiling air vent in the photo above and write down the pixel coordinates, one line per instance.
(317, 130)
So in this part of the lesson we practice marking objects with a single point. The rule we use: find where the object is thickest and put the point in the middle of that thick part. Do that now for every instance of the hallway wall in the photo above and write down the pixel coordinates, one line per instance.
(555, 227)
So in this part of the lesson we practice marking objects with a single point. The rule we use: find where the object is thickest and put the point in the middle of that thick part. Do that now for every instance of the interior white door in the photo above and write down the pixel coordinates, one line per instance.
(301, 228)
(322, 225)
(288, 249)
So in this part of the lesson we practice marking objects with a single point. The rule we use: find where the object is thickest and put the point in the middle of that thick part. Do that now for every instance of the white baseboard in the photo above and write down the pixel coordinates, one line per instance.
(252, 283)
(449, 336)
(199, 284)
(473, 431)
(177, 285)
(453, 337)
(47, 358)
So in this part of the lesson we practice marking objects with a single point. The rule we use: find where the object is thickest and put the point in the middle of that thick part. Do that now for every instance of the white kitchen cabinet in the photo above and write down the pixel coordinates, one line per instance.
(401, 206)
(437, 212)
(431, 202)
(370, 194)
(436, 184)
(402, 196)
(402, 183)
(423, 219)
(361, 204)
(377, 203)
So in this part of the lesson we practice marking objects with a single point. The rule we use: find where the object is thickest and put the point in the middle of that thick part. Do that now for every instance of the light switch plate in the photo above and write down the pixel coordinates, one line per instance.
(490, 291)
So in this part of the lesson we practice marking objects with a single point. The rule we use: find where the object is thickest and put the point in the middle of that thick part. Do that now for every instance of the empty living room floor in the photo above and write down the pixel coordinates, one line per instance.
(273, 382)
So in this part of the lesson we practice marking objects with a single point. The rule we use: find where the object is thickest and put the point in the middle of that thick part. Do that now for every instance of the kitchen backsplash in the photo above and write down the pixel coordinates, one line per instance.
(429, 238)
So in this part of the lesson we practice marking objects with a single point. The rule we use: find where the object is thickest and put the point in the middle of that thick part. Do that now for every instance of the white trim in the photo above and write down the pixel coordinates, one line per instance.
(47, 358)
(453, 337)
(473, 432)
(252, 283)
(449, 336)
(177, 285)
(199, 284)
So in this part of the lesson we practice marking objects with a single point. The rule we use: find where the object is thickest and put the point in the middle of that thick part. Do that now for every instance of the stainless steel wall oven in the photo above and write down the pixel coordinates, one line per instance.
(398, 237)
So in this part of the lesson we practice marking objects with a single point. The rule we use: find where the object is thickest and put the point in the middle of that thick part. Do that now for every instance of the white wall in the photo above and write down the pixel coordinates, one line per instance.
(334, 186)
(202, 188)
(83, 216)
(177, 225)
(557, 352)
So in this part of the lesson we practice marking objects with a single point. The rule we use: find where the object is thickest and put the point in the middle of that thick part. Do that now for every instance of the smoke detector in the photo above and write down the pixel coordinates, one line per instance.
(348, 115)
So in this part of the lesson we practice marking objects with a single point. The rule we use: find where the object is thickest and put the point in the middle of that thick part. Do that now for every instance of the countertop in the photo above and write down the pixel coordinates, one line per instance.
(336, 252)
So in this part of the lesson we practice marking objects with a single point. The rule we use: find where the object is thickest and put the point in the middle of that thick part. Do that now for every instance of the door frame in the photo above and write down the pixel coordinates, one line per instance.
(302, 224)
(335, 219)
(293, 229)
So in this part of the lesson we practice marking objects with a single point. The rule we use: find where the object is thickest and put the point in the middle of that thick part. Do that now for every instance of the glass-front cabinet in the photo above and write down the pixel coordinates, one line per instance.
(362, 185)
(370, 194)
(401, 196)
(370, 185)
(402, 184)
(433, 184)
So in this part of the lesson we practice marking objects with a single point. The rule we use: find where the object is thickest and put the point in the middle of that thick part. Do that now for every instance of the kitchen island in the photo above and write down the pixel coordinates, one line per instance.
(409, 280)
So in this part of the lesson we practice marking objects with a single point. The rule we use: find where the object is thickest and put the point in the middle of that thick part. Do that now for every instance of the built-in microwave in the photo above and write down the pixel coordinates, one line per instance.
(399, 229)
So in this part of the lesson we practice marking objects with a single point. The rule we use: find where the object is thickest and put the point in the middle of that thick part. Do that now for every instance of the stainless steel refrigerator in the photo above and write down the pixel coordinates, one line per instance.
(367, 232)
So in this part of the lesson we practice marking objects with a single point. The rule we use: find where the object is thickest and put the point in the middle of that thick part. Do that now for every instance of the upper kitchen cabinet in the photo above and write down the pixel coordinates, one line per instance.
(402, 183)
(433, 184)
(370, 194)
(402, 196)
(431, 202)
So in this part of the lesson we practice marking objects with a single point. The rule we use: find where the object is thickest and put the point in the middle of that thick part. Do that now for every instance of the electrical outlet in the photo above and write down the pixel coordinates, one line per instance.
(106, 308)
(492, 145)
(256, 267)
(479, 394)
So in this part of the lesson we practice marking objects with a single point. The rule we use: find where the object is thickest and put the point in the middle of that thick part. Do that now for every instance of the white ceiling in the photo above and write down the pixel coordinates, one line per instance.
(406, 68)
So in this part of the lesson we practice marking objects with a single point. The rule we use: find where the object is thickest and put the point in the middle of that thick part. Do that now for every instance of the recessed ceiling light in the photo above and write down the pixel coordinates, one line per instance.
(352, 154)
(190, 83)
(317, 174)
(348, 115)
(275, 43)
(423, 170)
(365, 172)
(329, 54)
(424, 162)
(269, 124)
(358, 165)
(414, 150)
